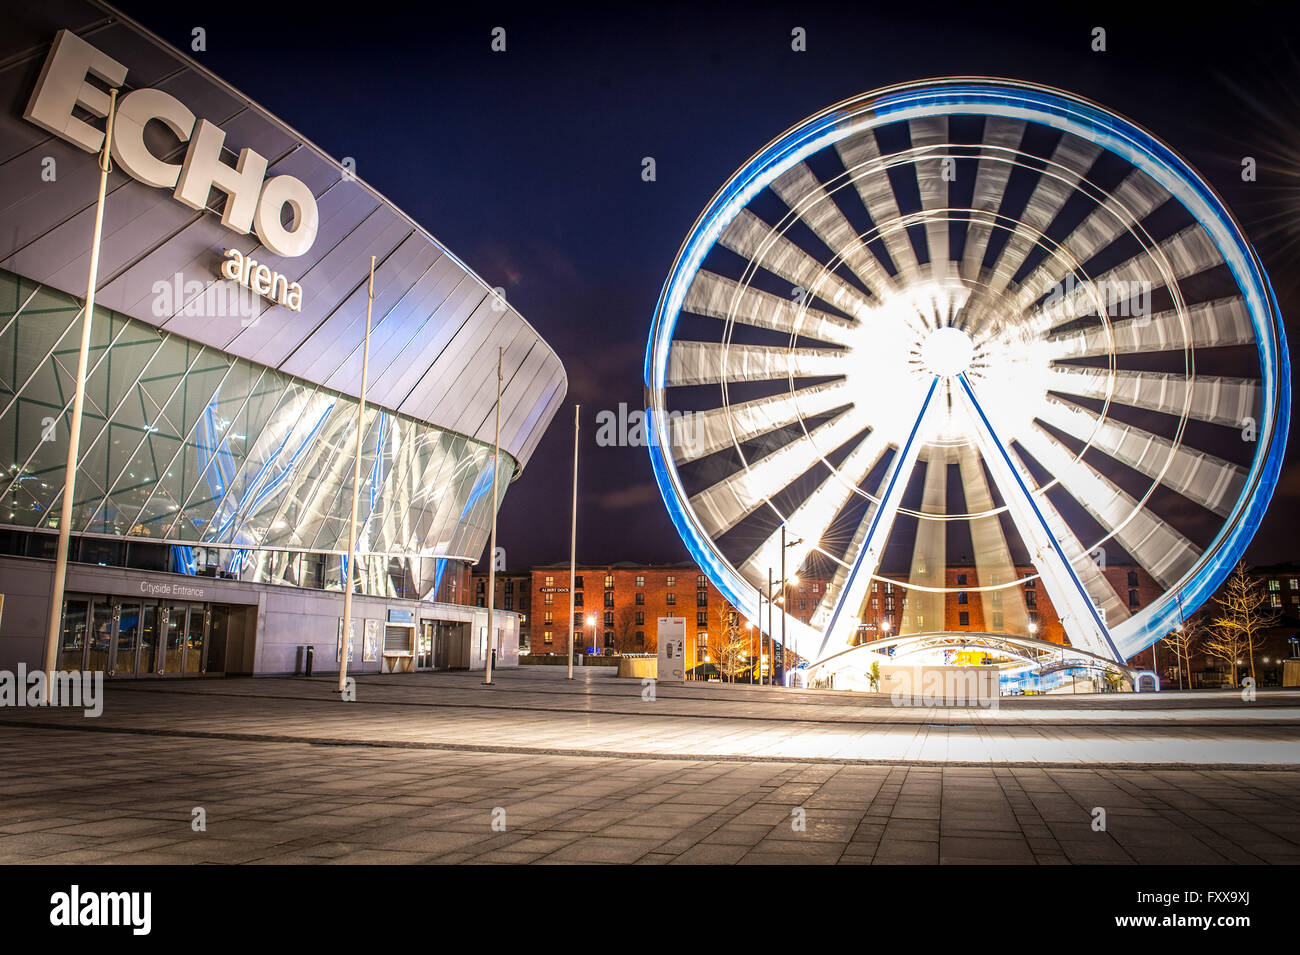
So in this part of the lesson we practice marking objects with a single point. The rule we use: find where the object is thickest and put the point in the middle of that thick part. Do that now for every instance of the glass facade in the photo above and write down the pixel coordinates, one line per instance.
(243, 471)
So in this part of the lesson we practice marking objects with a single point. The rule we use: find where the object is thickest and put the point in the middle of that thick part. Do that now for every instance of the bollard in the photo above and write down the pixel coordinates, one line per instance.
(307, 665)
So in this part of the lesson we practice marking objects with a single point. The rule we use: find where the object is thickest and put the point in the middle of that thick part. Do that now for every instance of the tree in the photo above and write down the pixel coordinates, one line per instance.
(1244, 615)
(729, 644)
(1183, 640)
(1227, 644)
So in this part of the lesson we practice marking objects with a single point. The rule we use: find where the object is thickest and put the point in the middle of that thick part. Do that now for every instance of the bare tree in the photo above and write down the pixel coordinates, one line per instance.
(1244, 615)
(1183, 641)
(729, 644)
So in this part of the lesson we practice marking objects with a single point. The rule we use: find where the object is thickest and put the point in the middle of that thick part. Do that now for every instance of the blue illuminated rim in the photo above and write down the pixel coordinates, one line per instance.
(1044, 105)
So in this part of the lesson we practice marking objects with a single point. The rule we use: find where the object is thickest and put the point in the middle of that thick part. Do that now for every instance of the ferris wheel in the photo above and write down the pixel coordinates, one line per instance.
(946, 331)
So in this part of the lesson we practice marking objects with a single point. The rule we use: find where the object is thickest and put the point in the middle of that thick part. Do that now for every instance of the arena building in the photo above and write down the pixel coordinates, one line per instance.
(212, 500)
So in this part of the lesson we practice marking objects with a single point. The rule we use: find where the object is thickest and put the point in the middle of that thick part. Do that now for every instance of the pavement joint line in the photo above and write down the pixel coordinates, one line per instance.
(648, 756)
(920, 721)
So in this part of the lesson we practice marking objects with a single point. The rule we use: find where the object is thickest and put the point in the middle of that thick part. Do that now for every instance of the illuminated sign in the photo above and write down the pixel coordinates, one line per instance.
(253, 202)
(253, 275)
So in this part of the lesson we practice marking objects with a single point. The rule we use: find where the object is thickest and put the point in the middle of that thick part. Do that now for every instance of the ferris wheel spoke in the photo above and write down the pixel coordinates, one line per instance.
(1159, 548)
(725, 504)
(1212, 398)
(861, 157)
(1135, 198)
(873, 533)
(699, 433)
(1057, 563)
(1214, 324)
(706, 363)
(930, 138)
(715, 296)
(1002, 137)
(929, 549)
(811, 521)
(1203, 478)
(993, 563)
(807, 197)
(753, 239)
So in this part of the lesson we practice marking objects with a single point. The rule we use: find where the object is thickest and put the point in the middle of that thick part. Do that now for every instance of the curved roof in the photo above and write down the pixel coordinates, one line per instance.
(436, 325)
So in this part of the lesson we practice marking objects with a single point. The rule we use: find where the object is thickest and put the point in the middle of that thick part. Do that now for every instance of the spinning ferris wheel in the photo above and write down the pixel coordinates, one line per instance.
(968, 323)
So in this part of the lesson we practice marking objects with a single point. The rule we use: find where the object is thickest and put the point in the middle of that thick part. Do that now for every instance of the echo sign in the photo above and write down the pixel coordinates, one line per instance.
(253, 202)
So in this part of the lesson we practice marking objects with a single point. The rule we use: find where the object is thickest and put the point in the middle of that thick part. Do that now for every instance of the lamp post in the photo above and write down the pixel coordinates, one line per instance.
(591, 622)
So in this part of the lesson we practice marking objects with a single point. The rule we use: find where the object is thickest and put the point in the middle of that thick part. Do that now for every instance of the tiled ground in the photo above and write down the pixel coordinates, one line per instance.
(123, 788)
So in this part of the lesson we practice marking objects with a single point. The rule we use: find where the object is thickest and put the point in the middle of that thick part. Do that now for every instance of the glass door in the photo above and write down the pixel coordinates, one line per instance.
(424, 649)
(195, 639)
(127, 644)
(72, 645)
(147, 661)
(100, 638)
(174, 637)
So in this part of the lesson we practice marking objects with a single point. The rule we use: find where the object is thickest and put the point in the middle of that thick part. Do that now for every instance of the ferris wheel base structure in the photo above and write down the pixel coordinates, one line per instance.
(969, 316)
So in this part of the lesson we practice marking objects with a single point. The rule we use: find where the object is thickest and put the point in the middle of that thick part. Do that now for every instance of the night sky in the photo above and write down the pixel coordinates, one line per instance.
(527, 164)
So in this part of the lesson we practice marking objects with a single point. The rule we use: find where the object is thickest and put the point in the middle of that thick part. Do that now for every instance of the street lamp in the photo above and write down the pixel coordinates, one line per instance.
(591, 622)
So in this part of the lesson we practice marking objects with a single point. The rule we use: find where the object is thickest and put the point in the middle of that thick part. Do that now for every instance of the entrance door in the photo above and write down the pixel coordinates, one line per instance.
(174, 638)
(424, 646)
(147, 659)
(72, 643)
(196, 640)
(127, 645)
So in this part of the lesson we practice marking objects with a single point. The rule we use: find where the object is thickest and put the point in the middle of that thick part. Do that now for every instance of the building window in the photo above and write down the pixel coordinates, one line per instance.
(481, 602)
(549, 619)
(640, 580)
(577, 582)
(961, 580)
(1031, 598)
(889, 602)
(509, 605)
(889, 586)
(479, 587)
(961, 598)
(701, 582)
(1133, 598)
(1030, 583)
(670, 581)
(875, 603)
(701, 620)
(672, 600)
(1295, 583)
(701, 598)
(609, 619)
(996, 598)
(963, 618)
(609, 598)
(609, 638)
(997, 620)
(577, 600)
(547, 639)
(577, 621)
(510, 588)
(1273, 584)
(550, 582)
(640, 638)
(1274, 600)
(1132, 578)
(640, 618)
(640, 599)
(702, 639)
(609, 581)
(547, 599)
(816, 587)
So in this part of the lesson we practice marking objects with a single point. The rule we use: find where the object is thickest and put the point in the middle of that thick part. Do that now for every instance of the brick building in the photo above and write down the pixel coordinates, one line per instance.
(513, 594)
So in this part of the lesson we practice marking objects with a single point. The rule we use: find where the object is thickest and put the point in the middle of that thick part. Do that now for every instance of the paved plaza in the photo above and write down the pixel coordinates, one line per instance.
(437, 768)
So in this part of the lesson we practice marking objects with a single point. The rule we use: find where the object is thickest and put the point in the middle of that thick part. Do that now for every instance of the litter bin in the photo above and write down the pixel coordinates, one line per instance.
(307, 657)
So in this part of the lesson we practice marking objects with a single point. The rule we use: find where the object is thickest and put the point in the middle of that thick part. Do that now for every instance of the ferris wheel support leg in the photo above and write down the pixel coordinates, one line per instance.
(1084, 626)
(844, 618)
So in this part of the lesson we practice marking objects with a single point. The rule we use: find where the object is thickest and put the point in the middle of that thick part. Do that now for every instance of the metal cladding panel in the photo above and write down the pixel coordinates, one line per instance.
(436, 326)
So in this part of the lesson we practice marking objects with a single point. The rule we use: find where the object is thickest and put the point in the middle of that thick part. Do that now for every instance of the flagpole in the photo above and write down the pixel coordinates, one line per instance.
(356, 491)
(492, 547)
(573, 541)
(78, 404)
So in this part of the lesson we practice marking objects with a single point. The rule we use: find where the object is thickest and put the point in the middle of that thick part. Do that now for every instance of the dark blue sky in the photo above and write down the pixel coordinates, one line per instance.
(527, 164)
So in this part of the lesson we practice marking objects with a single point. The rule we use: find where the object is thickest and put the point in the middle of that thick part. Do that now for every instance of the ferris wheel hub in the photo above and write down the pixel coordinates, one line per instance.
(947, 352)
